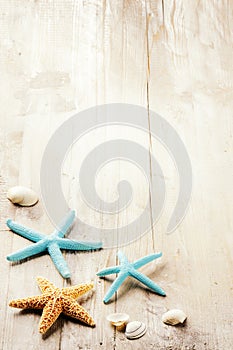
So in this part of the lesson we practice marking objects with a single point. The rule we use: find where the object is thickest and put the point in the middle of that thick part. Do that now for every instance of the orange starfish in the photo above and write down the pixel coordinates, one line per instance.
(54, 301)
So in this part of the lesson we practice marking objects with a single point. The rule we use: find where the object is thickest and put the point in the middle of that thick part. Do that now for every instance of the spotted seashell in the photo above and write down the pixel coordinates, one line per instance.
(135, 329)
(174, 317)
(118, 320)
(22, 196)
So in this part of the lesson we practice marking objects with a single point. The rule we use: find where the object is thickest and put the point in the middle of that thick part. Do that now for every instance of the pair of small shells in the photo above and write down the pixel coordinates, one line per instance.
(137, 329)
(134, 329)
(174, 317)
(22, 195)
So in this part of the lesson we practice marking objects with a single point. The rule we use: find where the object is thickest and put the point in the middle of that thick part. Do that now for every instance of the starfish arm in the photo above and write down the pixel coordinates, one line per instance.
(145, 260)
(50, 313)
(73, 309)
(76, 291)
(28, 251)
(65, 243)
(58, 260)
(24, 231)
(45, 285)
(65, 224)
(148, 282)
(37, 302)
(109, 271)
(122, 257)
(114, 287)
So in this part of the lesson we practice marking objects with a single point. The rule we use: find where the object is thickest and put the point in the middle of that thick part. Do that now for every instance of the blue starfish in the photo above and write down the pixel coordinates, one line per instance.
(50, 243)
(126, 269)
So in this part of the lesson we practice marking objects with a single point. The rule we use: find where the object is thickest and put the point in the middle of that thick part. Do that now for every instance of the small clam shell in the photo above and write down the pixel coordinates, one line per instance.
(174, 316)
(118, 320)
(22, 195)
(135, 329)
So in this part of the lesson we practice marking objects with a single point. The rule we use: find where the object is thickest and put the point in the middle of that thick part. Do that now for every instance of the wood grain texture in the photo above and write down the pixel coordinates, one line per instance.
(174, 57)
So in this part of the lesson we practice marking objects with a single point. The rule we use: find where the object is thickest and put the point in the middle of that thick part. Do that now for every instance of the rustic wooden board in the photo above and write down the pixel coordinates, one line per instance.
(173, 57)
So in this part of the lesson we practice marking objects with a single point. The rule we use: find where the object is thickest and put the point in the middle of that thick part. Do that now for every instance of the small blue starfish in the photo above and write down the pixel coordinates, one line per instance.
(126, 269)
(50, 243)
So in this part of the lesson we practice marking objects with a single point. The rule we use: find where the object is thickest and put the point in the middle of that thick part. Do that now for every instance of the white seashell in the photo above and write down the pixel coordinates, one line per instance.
(118, 320)
(22, 195)
(174, 317)
(135, 329)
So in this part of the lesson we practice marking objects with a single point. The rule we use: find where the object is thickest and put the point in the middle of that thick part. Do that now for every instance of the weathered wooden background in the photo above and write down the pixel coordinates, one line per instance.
(175, 57)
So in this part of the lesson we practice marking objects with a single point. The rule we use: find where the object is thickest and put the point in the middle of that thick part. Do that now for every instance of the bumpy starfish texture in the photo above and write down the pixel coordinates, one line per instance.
(55, 301)
(50, 243)
(126, 269)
